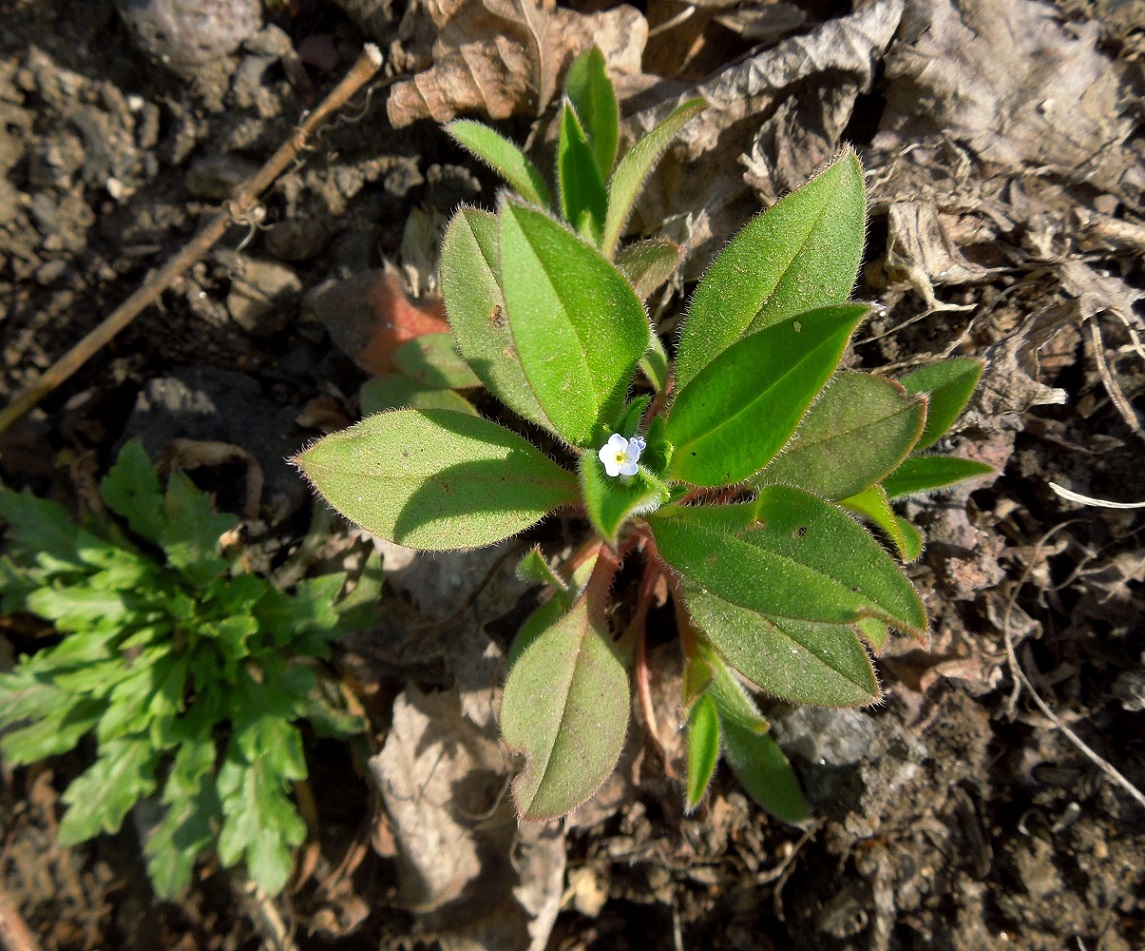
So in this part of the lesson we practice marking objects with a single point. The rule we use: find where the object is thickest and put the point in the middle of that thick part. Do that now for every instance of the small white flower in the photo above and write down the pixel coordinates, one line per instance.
(620, 455)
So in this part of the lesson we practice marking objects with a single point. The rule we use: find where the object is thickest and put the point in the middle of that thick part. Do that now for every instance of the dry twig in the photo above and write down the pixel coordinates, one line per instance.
(15, 935)
(238, 209)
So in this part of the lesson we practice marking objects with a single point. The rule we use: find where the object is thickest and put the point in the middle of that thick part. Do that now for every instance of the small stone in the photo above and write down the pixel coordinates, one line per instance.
(186, 34)
(215, 177)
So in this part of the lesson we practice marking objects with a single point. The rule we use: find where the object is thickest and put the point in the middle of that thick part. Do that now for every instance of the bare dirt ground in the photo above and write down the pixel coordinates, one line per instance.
(1002, 146)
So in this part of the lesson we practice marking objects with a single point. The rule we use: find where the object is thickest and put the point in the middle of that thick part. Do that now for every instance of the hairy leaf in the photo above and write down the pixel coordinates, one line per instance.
(590, 91)
(436, 479)
(503, 157)
(398, 391)
(648, 264)
(610, 502)
(433, 359)
(948, 385)
(797, 661)
(858, 431)
(703, 748)
(732, 418)
(583, 198)
(635, 167)
(800, 254)
(471, 282)
(927, 473)
(578, 327)
(566, 708)
(872, 503)
(798, 557)
(763, 770)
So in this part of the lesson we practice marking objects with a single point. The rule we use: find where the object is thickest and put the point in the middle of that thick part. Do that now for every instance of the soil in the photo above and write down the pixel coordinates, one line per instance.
(957, 814)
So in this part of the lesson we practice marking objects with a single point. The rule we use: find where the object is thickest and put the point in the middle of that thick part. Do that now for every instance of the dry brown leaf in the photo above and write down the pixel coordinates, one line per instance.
(501, 58)
(1014, 84)
(806, 87)
(371, 315)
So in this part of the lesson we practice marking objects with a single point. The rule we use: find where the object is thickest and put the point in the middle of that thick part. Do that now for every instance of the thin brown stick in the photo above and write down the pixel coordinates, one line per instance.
(1021, 680)
(15, 935)
(239, 207)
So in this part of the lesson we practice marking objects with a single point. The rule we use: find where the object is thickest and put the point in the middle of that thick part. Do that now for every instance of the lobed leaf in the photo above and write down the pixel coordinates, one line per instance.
(99, 799)
(503, 157)
(800, 254)
(731, 419)
(703, 748)
(131, 489)
(436, 479)
(591, 93)
(859, 430)
(948, 385)
(191, 536)
(577, 325)
(635, 167)
(471, 283)
(565, 708)
(927, 473)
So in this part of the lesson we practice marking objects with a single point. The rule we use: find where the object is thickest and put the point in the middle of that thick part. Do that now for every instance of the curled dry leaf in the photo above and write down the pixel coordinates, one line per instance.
(806, 85)
(507, 57)
(1013, 83)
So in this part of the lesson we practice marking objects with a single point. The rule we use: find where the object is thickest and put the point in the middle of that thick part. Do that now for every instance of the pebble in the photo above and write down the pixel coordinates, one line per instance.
(186, 34)
(215, 177)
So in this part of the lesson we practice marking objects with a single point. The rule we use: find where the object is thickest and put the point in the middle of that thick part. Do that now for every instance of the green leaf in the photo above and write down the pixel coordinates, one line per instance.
(100, 798)
(949, 385)
(654, 365)
(193, 813)
(855, 433)
(503, 157)
(872, 503)
(800, 254)
(39, 527)
(261, 824)
(534, 567)
(566, 709)
(52, 732)
(471, 283)
(590, 91)
(799, 557)
(433, 359)
(731, 699)
(633, 171)
(703, 748)
(131, 489)
(79, 609)
(191, 536)
(583, 198)
(578, 327)
(912, 539)
(797, 661)
(763, 770)
(435, 479)
(648, 264)
(731, 419)
(610, 502)
(920, 474)
(384, 393)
